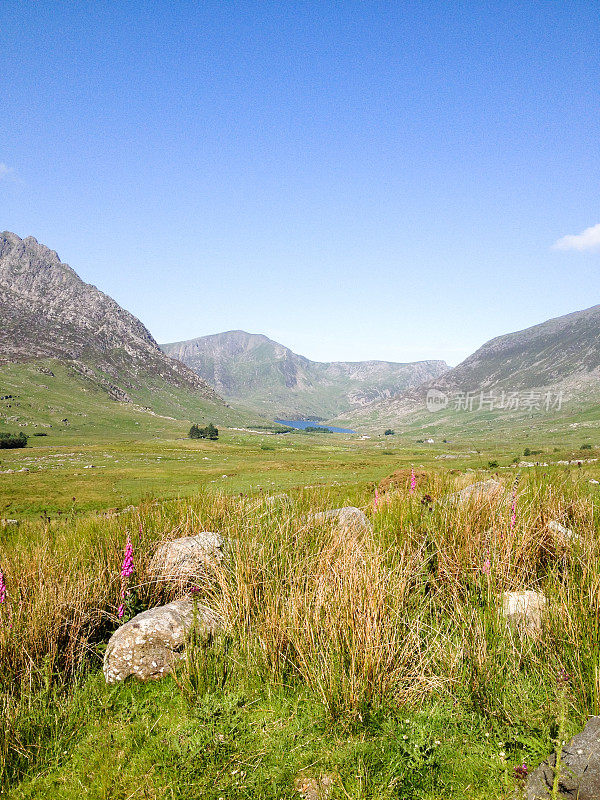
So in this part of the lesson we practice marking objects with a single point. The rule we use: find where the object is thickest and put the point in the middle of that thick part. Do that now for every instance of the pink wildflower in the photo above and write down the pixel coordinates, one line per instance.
(487, 565)
(521, 772)
(127, 567)
(413, 481)
(513, 505)
(2, 588)
(126, 571)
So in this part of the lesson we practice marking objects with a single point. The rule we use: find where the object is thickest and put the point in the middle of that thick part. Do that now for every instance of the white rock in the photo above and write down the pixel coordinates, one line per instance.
(348, 518)
(152, 642)
(524, 610)
(482, 490)
(190, 558)
(564, 534)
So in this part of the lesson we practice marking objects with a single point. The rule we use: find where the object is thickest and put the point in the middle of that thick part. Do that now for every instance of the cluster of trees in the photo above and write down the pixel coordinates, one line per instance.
(389, 432)
(210, 432)
(8, 440)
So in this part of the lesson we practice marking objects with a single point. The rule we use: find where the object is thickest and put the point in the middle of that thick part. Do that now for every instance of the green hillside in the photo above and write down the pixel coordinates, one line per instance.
(49, 396)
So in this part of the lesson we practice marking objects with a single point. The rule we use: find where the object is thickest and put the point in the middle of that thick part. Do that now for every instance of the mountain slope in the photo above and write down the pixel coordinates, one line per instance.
(270, 378)
(49, 313)
(558, 357)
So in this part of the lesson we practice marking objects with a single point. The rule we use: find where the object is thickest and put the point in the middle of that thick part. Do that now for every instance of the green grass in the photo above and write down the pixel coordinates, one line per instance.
(379, 661)
(70, 471)
(149, 741)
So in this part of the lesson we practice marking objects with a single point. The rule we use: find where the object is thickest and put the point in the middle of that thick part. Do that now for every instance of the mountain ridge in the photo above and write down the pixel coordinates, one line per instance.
(88, 351)
(270, 377)
(49, 312)
(560, 355)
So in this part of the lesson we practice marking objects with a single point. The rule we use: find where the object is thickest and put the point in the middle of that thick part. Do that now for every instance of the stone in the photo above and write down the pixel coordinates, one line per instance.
(524, 610)
(7, 522)
(489, 490)
(579, 770)
(186, 560)
(564, 535)
(314, 788)
(272, 501)
(150, 644)
(348, 518)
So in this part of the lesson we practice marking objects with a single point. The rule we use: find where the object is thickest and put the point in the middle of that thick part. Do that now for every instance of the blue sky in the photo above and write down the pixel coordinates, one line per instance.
(355, 179)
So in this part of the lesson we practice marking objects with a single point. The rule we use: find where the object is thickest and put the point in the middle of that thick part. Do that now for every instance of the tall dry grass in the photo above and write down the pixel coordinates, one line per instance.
(359, 619)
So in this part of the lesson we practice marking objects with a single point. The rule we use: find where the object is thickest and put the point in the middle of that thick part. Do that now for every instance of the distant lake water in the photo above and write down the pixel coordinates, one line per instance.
(301, 424)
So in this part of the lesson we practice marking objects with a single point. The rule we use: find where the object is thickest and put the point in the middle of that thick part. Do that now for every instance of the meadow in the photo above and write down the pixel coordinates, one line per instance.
(378, 663)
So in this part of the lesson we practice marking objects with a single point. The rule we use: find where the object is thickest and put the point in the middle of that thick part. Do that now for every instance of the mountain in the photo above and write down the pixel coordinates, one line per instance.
(560, 357)
(271, 379)
(50, 316)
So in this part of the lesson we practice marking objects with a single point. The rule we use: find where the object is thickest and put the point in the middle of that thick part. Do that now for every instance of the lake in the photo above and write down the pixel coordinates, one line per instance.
(301, 424)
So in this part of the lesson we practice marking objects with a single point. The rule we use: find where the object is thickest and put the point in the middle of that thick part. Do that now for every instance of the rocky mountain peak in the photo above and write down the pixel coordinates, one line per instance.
(47, 311)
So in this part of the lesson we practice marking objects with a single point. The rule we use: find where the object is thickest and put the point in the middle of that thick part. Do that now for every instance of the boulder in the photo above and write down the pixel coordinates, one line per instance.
(151, 643)
(579, 769)
(523, 610)
(564, 535)
(186, 560)
(348, 518)
(489, 490)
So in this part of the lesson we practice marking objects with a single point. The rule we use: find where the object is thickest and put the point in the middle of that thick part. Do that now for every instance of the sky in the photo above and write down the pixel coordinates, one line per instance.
(391, 180)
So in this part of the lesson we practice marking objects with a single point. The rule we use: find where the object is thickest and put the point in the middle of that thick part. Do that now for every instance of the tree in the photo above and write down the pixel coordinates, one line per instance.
(210, 432)
(389, 432)
(10, 440)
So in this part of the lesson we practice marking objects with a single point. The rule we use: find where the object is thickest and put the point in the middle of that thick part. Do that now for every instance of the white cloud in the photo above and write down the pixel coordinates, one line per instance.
(589, 239)
(5, 170)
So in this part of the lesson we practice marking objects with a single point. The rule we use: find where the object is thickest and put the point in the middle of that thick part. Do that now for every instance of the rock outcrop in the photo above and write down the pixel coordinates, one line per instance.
(563, 534)
(579, 775)
(490, 490)
(149, 645)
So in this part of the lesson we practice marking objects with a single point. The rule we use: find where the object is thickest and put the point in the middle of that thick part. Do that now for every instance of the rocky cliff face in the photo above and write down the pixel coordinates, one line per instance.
(47, 311)
(564, 351)
(561, 355)
(271, 378)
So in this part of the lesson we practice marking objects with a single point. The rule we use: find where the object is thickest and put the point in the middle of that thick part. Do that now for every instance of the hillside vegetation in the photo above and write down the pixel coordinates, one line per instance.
(271, 379)
(377, 662)
(555, 364)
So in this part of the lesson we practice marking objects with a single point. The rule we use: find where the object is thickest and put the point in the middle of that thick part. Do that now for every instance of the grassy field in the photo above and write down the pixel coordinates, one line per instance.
(378, 662)
(67, 472)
